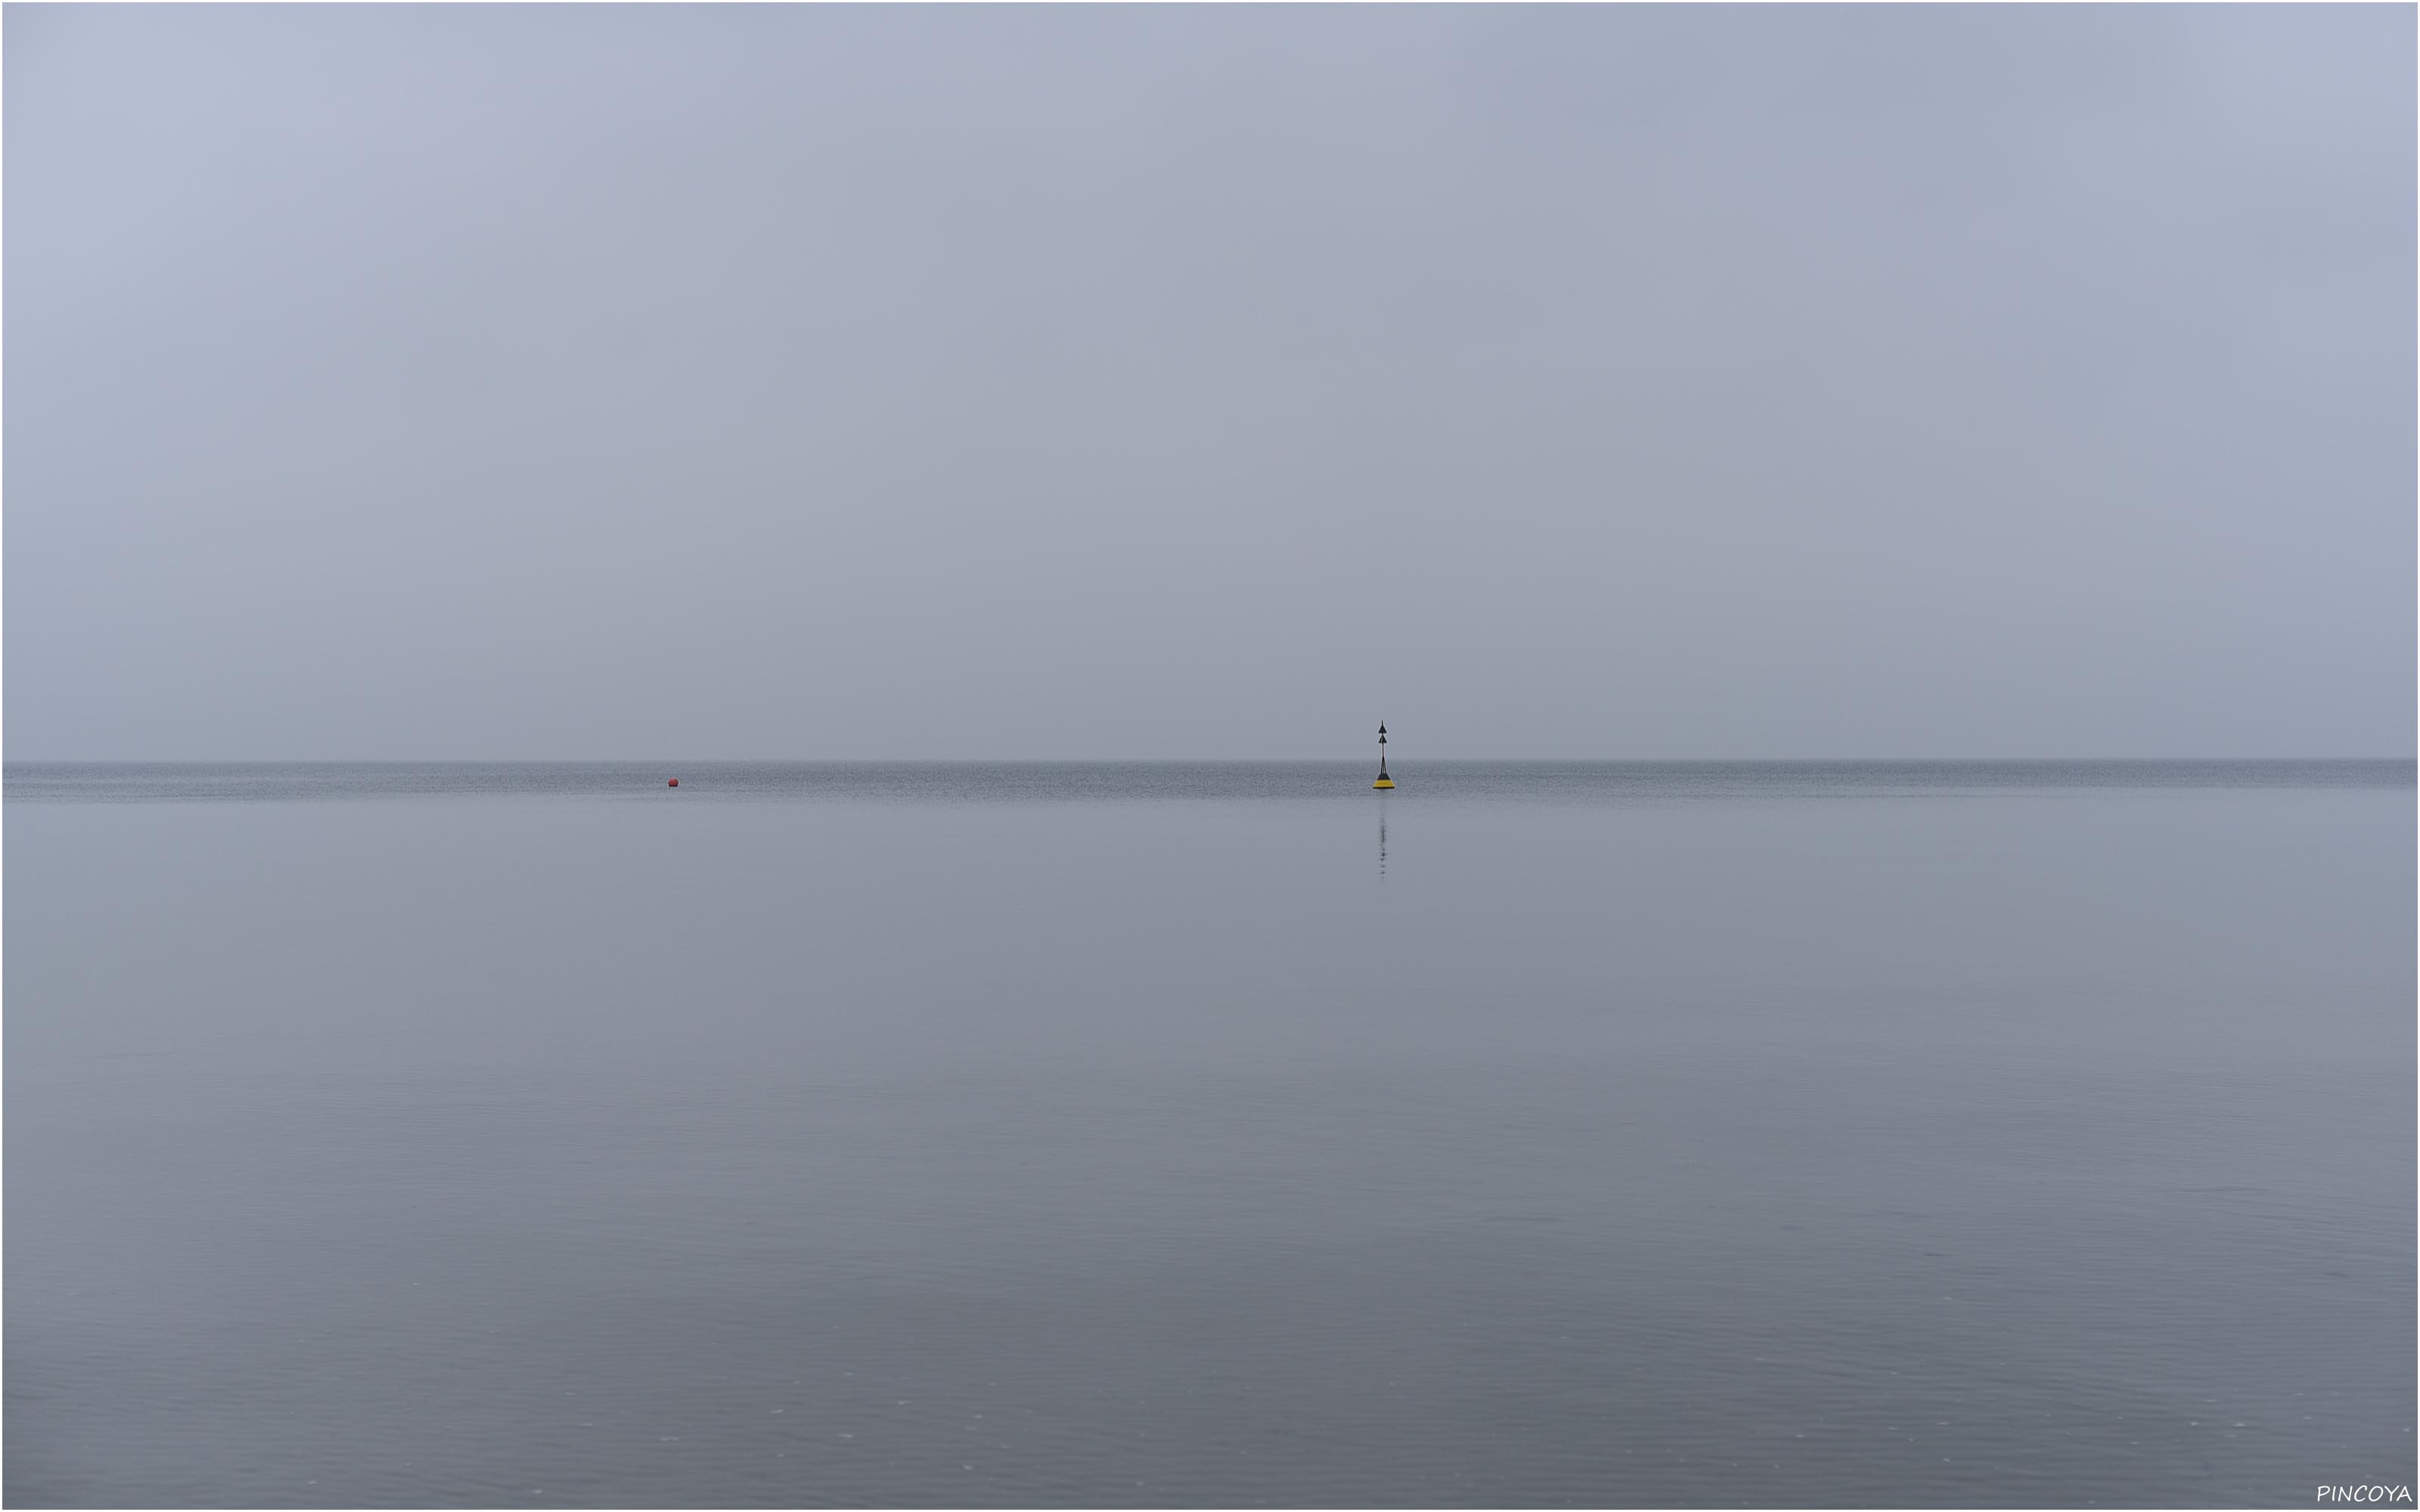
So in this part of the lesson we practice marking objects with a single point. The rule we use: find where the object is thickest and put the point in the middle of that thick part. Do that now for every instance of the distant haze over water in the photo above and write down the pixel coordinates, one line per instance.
(1083, 781)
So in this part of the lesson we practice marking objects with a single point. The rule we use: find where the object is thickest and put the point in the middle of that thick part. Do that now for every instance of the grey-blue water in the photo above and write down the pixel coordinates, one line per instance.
(1534, 1135)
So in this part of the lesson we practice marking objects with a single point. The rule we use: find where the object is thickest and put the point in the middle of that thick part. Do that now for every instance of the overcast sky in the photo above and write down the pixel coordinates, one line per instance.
(547, 382)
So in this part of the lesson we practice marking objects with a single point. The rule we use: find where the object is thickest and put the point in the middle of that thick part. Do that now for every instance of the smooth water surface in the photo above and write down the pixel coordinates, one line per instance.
(1534, 1135)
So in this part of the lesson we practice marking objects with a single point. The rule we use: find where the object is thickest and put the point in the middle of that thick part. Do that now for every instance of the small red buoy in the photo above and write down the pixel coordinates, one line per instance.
(673, 783)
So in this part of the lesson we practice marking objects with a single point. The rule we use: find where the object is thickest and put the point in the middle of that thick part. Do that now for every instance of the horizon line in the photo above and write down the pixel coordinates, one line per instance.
(1142, 761)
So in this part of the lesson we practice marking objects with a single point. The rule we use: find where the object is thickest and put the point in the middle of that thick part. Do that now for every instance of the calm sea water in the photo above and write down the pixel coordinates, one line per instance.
(1140, 1135)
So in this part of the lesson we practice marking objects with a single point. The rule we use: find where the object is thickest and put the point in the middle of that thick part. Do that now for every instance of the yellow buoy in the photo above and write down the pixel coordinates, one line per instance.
(1384, 780)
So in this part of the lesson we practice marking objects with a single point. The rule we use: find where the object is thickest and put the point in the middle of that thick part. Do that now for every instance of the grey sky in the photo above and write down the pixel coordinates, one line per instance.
(553, 382)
